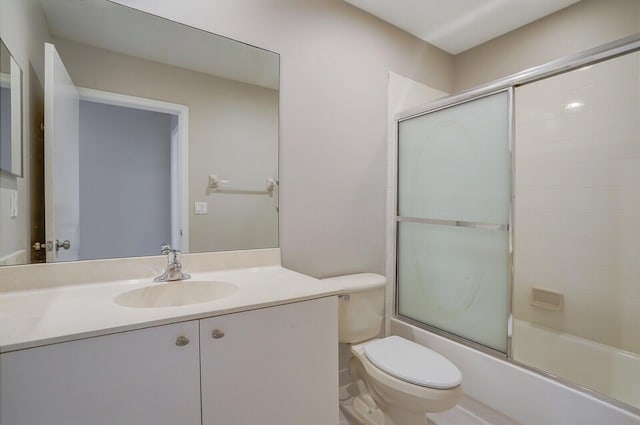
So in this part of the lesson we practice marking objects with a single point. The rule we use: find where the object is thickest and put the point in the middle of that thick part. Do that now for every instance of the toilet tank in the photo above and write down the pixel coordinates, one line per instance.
(361, 306)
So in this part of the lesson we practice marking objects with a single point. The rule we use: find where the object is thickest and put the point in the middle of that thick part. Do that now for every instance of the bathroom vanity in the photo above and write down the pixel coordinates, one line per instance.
(265, 353)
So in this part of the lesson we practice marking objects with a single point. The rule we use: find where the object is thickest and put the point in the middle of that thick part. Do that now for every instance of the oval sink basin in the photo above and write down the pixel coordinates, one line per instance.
(173, 294)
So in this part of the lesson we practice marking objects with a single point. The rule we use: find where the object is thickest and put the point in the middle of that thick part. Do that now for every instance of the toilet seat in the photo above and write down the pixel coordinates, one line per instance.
(412, 363)
(402, 394)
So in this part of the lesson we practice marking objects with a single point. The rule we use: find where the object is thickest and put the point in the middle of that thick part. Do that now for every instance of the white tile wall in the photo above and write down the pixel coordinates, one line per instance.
(577, 213)
(577, 208)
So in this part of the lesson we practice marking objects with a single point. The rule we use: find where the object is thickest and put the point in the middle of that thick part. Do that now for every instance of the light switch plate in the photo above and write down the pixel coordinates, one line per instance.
(201, 208)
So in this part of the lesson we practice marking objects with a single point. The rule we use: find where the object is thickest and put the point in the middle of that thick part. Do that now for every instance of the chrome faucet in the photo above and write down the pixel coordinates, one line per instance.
(174, 266)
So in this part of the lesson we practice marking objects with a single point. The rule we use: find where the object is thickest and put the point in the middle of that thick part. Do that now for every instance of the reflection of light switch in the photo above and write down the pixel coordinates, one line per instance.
(201, 208)
(14, 203)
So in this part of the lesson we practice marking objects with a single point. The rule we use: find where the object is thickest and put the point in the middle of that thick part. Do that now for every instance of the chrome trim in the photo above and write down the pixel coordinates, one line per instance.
(447, 102)
(65, 244)
(396, 310)
(454, 223)
(512, 194)
(396, 223)
(173, 271)
(588, 57)
(464, 341)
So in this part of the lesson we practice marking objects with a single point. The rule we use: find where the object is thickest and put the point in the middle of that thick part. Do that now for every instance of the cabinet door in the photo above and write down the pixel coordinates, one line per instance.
(276, 365)
(138, 377)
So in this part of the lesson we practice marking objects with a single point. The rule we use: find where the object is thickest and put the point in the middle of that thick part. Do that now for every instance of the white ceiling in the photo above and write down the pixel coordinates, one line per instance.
(103, 24)
(458, 25)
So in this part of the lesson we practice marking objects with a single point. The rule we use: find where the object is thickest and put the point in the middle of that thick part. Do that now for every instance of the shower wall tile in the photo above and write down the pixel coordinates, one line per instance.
(577, 206)
(623, 173)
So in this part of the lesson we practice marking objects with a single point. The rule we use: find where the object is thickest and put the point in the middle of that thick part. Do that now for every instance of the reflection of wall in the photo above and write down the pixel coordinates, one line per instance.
(125, 196)
(5, 128)
(577, 223)
(24, 30)
(233, 134)
(11, 235)
(335, 61)
(584, 25)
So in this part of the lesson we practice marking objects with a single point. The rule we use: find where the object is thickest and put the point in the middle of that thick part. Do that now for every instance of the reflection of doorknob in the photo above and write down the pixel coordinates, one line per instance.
(66, 244)
(49, 245)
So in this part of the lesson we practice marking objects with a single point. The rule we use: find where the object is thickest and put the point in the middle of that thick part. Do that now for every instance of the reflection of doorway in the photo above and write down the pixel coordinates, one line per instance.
(132, 151)
(118, 235)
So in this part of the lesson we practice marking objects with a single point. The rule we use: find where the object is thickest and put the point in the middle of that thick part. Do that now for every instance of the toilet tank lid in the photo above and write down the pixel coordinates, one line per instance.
(359, 282)
(413, 363)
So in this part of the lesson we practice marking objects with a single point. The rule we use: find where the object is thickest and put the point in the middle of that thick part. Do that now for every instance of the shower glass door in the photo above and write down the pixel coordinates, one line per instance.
(453, 217)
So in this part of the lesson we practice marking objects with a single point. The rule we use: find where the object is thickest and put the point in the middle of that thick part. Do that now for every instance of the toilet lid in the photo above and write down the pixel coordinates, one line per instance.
(412, 363)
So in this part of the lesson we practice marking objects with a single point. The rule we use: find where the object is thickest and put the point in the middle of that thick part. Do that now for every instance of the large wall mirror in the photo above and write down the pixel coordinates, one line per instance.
(154, 132)
(10, 113)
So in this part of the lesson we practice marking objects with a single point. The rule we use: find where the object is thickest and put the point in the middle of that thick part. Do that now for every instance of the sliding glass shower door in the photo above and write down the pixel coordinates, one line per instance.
(453, 244)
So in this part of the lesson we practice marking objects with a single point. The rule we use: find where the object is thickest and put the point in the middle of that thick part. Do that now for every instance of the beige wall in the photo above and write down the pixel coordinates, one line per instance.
(335, 61)
(233, 133)
(586, 24)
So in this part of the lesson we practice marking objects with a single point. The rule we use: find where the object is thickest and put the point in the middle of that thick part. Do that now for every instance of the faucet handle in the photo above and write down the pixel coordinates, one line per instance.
(174, 256)
(165, 248)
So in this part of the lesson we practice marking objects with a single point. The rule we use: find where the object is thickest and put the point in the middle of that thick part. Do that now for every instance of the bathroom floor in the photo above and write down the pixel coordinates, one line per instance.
(345, 420)
(455, 416)
(347, 416)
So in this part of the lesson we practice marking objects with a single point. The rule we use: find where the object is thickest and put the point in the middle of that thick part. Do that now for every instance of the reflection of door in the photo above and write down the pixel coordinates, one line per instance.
(61, 144)
(177, 233)
(176, 225)
(127, 150)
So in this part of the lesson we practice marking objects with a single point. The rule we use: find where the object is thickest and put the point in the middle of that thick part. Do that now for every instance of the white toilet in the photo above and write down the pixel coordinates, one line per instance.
(398, 381)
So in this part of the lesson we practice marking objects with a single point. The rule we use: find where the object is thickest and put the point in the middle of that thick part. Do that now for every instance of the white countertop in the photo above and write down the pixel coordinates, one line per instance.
(35, 317)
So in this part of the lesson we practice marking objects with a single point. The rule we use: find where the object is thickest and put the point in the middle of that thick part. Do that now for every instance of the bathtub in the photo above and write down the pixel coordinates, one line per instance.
(600, 367)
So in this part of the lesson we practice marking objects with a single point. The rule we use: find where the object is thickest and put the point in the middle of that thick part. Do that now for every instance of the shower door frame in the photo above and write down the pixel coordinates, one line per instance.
(476, 225)
(569, 63)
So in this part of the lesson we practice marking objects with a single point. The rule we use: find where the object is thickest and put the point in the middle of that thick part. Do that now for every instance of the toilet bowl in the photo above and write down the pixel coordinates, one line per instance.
(398, 381)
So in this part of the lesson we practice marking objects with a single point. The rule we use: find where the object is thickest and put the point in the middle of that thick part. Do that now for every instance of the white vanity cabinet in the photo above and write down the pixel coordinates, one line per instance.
(276, 365)
(148, 376)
